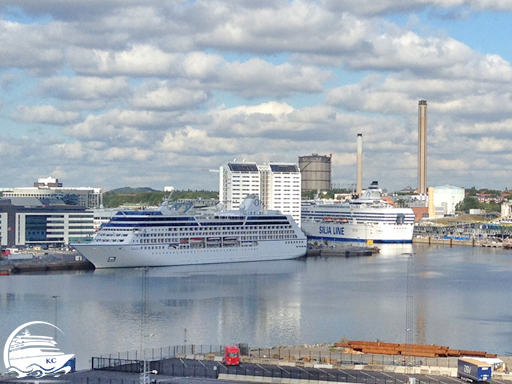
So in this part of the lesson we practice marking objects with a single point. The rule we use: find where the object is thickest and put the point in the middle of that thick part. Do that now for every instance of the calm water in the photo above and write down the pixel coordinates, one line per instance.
(461, 299)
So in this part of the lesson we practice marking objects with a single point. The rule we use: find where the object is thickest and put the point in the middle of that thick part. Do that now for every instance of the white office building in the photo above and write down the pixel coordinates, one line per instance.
(27, 221)
(278, 186)
(49, 188)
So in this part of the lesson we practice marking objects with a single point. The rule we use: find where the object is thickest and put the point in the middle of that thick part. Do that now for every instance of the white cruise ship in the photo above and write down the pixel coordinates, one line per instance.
(165, 238)
(367, 218)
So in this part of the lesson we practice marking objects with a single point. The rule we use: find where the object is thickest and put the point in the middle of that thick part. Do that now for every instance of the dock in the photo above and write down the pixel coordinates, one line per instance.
(45, 266)
(342, 252)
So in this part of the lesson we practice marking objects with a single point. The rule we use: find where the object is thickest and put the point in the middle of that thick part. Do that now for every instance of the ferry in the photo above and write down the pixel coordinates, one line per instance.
(167, 238)
(367, 219)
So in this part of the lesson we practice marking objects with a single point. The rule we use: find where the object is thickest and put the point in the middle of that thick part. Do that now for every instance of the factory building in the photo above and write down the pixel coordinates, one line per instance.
(30, 221)
(444, 199)
(50, 188)
(316, 174)
(278, 186)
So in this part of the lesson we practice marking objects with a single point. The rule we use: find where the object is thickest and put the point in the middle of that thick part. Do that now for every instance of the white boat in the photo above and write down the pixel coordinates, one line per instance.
(31, 355)
(164, 238)
(368, 218)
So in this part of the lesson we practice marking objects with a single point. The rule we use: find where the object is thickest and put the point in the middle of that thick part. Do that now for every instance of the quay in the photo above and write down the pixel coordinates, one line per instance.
(492, 243)
(307, 364)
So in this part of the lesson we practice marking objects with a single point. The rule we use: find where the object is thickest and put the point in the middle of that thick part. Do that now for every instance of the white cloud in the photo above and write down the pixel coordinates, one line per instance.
(84, 88)
(68, 151)
(140, 60)
(46, 114)
(161, 96)
(24, 46)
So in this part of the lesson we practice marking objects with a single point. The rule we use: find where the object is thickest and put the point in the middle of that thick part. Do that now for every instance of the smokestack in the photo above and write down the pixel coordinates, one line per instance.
(422, 147)
(359, 184)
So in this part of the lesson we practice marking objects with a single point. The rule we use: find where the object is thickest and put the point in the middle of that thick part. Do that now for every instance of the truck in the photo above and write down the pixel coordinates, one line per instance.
(231, 355)
(473, 370)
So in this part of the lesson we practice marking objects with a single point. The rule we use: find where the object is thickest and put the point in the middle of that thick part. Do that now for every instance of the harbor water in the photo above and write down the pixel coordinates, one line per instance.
(460, 297)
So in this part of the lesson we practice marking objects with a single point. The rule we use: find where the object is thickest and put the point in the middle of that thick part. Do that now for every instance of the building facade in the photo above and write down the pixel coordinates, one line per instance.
(278, 185)
(29, 221)
(446, 198)
(48, 188)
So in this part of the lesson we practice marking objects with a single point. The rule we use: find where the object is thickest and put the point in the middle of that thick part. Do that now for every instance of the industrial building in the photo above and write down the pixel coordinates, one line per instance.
(278, 186)
(443, 200)
(49, 188)
(30, 221)
(316, 172)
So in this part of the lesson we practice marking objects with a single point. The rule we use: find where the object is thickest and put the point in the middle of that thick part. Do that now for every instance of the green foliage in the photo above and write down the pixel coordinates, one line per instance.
(132, 190)
(113, 199)
(472, 191)
(470, 202)
(311, 194)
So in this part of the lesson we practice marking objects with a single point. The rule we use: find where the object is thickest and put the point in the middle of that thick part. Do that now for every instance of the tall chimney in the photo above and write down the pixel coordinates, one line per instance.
(359, 185)
(422, 147)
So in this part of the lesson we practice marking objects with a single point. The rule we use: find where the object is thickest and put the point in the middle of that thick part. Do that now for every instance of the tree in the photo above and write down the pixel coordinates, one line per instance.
(467, 204)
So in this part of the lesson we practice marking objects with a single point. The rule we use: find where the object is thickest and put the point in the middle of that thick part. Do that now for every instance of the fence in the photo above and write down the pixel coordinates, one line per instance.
(315, 354)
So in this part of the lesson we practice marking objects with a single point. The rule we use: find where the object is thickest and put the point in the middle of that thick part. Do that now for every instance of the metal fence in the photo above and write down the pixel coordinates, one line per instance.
(320, 355)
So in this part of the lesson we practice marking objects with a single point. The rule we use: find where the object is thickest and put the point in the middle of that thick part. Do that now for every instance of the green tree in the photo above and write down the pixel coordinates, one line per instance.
(467, 204)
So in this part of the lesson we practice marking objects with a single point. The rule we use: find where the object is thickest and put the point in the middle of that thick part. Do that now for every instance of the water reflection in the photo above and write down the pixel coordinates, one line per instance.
(456, 292)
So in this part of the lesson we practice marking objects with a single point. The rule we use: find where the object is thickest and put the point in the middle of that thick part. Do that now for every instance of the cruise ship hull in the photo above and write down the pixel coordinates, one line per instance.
(376, 232)
(123, 256)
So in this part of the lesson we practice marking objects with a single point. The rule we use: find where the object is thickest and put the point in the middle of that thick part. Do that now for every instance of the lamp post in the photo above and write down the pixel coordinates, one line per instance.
(55, 297)
(144, 374)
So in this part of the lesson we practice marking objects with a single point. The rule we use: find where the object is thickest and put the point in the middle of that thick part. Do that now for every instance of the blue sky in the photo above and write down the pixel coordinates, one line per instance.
(135, 93)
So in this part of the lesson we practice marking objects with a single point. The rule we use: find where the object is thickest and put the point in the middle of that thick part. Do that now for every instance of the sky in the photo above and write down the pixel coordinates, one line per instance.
(151, 93)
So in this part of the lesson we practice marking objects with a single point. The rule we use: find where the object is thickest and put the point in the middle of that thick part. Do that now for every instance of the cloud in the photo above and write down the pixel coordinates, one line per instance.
(45, 114)
(23, 46)
(68, 151)
(83, 88)
(162, 96)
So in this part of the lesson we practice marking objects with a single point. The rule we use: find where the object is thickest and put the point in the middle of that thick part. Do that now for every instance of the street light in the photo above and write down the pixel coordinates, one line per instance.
(144, 375)
(56, 297)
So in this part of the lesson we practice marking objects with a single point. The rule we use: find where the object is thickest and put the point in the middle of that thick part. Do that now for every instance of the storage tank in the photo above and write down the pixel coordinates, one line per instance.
(315, 172)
